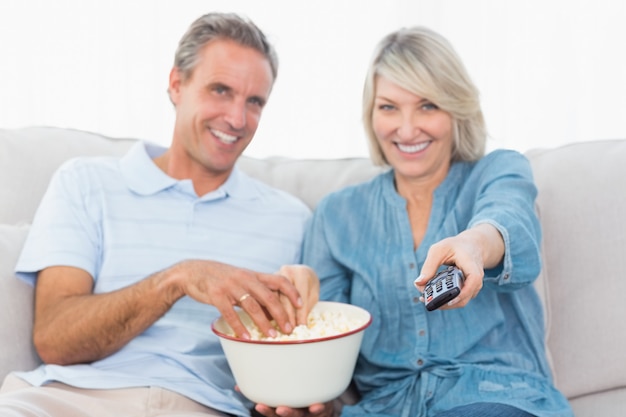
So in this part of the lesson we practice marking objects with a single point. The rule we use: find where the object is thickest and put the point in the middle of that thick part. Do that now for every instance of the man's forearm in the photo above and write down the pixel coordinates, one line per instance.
(83, 327)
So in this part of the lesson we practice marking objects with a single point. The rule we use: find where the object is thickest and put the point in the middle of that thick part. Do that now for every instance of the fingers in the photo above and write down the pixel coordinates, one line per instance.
(267, 297)
(289, 308)
(471, 287)
(307, 284)
(278, 296)
(429, 269)
(317, 410)
(232, 318)
(438, 254)
(286, 299)
(454, 251)
(283, 283)
(265, 309)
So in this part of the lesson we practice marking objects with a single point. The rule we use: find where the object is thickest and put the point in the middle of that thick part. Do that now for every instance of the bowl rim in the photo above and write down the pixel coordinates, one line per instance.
(364, 326)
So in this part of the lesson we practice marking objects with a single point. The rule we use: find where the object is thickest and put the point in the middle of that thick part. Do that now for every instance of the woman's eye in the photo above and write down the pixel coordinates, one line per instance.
(429, 106)
(385, 107)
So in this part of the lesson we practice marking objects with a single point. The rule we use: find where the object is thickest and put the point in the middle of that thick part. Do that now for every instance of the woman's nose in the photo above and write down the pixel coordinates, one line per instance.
(409, 126)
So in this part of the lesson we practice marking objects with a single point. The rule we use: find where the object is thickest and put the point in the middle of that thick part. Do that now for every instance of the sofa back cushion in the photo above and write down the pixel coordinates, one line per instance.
(582, 207)
(29, 156)
(309, 179)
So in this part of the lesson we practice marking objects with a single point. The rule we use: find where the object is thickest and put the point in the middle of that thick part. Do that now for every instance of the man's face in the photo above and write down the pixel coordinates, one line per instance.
(218, 108)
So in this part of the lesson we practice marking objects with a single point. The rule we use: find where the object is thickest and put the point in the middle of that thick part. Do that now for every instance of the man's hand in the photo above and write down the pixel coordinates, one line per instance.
(284, 297)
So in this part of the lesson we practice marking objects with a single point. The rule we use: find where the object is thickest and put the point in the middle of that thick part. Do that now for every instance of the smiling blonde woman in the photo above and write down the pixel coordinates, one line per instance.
(442, 202)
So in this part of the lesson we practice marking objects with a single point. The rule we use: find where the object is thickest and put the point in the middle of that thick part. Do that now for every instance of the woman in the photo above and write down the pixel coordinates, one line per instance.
(443, 202)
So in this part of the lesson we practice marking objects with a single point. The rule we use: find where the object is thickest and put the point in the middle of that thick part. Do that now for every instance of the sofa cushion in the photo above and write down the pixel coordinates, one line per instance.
(16, 299)
(605, 404)
(582, 207)
(309, 179)
(41, 150)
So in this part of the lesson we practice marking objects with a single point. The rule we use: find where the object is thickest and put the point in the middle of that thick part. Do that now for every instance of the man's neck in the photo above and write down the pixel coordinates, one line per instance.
(203, 180)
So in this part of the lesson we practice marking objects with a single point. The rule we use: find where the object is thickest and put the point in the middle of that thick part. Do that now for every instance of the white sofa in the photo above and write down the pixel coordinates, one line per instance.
(582, 206)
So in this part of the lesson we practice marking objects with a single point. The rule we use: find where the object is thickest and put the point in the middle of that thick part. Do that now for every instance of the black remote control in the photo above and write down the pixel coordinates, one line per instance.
(443, 287)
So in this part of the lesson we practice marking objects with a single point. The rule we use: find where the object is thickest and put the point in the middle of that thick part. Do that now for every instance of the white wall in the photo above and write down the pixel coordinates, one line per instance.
(550, 71)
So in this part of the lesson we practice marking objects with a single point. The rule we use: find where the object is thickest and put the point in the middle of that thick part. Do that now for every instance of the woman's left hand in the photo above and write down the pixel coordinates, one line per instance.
(308, 285)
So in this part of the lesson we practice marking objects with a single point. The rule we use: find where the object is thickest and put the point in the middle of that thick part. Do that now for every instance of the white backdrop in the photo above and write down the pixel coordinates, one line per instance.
(550, 71)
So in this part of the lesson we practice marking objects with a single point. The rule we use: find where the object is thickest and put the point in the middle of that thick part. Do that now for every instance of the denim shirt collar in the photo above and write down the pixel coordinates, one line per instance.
(451, 182)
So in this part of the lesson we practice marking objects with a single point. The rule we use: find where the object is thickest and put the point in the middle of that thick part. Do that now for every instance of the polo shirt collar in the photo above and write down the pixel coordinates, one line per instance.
(144, 177)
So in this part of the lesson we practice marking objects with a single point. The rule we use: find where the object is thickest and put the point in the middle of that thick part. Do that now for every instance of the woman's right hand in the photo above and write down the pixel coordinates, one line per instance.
(471, 251)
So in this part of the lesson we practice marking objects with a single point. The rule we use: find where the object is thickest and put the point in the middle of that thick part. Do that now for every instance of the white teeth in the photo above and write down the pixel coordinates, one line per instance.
(223, 137)
(413, 148)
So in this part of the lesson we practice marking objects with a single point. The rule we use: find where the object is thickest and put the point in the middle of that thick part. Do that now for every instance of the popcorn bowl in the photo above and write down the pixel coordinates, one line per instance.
(295, 373)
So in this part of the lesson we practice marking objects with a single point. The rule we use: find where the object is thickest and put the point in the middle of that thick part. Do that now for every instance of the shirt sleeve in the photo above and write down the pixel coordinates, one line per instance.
(505, 198)
(64, 231)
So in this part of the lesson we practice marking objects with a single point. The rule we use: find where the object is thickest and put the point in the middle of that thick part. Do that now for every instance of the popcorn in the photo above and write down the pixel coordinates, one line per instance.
(319, 325)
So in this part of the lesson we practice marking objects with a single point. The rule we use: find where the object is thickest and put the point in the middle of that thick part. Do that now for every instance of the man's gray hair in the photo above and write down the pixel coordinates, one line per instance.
(214, 26)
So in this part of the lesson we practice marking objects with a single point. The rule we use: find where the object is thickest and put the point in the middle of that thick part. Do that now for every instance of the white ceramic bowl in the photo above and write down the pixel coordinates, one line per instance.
(294, 373)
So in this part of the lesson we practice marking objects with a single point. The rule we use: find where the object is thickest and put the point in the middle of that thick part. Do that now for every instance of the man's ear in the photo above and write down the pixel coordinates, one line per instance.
(175, 82)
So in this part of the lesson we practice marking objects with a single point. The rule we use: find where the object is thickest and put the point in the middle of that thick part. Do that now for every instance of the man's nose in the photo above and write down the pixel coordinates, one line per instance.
(236, 115)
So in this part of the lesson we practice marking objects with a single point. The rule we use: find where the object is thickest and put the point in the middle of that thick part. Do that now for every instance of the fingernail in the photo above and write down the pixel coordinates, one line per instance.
(273, 333)
(300, 302)
(421, 299)
(453, 301)
(418, 280)
(288, 327)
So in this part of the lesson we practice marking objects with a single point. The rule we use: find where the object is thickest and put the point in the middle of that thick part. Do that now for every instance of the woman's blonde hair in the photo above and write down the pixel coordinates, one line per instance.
(424, 63)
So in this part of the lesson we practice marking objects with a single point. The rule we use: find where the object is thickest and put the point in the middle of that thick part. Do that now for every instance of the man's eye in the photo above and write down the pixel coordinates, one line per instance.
(257, 101)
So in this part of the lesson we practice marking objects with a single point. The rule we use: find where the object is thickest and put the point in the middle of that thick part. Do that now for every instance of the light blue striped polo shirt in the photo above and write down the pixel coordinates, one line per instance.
(124, 219)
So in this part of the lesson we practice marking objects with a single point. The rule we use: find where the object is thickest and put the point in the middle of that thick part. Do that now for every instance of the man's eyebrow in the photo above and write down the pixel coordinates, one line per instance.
(218, 84)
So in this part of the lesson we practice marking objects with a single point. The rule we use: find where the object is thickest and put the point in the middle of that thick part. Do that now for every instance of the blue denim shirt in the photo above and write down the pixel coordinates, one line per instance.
(418, 363)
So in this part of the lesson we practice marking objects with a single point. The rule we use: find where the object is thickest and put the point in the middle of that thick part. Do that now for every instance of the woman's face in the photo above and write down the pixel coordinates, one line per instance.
(413, 133)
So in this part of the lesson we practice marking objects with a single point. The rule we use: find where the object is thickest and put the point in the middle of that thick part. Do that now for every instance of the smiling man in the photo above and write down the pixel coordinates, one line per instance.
(134, 257)
(218, 108)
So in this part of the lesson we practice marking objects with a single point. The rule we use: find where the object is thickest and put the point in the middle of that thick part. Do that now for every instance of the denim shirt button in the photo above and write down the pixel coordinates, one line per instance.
(416, 299)
(411, 265)
(420, 362)
(422, 332)
(506, 277)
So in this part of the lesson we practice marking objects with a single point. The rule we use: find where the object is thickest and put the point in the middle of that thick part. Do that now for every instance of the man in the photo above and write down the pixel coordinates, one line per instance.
(133, 258)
